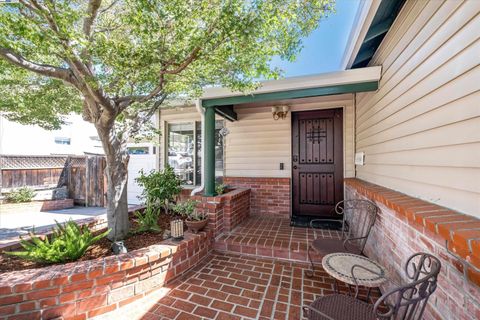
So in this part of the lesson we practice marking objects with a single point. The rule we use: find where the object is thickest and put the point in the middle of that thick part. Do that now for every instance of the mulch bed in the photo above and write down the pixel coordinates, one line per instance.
(102, 248)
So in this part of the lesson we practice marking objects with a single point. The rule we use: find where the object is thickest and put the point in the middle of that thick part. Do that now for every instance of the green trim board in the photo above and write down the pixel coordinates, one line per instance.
(209, 152)
(386, 14)
(292, 94)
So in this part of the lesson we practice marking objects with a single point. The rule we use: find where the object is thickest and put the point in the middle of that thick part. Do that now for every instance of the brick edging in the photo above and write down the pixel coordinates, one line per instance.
(89, 288)
(460, 230)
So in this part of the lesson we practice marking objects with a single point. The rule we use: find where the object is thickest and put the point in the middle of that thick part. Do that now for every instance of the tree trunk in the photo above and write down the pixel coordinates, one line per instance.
(117, 177)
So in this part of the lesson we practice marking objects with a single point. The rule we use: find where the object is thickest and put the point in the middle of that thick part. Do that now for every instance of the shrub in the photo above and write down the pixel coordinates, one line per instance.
(23, 194)
(159, 187)
(67, 243)
(220, 188)
(148, 220)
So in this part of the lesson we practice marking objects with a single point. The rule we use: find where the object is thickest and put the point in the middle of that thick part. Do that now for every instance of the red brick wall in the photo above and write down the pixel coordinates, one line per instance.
(236, 208)
(406, 225)
(48, 205)
(225, 211)
(86, 289)
(269, 196)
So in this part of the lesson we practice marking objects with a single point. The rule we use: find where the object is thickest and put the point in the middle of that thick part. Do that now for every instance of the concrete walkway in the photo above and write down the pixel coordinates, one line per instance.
(13, 225)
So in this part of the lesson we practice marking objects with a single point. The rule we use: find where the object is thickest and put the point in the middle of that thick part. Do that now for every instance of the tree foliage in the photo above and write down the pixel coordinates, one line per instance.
(117, 61)
(136, 51)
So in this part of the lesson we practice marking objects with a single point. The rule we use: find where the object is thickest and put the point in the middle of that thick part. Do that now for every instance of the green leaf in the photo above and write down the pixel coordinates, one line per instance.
(68, 242)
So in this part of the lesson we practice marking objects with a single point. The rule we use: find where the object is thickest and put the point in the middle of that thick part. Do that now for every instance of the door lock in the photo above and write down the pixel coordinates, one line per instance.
(294, 167)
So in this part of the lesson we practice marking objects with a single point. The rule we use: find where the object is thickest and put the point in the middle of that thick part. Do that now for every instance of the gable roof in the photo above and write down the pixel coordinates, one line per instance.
(374, 19)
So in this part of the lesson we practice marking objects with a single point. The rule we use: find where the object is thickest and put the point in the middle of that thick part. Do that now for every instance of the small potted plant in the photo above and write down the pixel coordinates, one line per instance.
(194, 220)
(220, 188)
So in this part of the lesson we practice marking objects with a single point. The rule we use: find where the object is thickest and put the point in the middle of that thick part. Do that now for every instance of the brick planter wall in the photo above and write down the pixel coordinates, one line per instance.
(57, 204)
(406, 225)
(82, 290)
(36, 206)
(269, 196)
(225, 211)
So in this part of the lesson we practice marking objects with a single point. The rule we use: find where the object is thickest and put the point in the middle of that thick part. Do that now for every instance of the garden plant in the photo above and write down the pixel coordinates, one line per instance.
(68, 242)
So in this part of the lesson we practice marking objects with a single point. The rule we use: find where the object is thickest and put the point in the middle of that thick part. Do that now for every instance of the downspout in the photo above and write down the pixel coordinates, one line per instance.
(201, 110)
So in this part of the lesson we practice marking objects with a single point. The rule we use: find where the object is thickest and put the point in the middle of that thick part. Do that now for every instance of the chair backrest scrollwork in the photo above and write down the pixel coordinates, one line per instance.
(408, 302)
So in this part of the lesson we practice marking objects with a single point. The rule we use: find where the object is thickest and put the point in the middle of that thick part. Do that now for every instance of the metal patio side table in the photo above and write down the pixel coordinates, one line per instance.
(339, 266)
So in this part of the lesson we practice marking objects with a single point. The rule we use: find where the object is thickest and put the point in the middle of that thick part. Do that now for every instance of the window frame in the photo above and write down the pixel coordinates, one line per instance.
(197, 126)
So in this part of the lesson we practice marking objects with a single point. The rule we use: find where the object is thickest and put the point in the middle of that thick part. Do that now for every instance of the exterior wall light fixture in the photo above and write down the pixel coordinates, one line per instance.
(280, 112)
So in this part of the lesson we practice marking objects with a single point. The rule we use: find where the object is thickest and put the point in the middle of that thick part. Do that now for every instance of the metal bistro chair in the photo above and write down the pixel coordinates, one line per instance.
(405, 302)
(358, 216)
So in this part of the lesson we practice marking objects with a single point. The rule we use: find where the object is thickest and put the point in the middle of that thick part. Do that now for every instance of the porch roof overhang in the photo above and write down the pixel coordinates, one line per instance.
(221, 101)
(348, 81)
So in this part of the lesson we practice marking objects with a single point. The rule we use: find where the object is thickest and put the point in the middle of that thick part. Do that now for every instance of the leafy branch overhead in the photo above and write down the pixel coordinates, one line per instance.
(117, 61)
(124, 57)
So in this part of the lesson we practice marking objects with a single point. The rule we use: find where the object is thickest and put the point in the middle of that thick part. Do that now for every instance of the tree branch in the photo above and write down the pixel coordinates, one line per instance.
(92, 11)
(108, 7)
(182, 66)
(126, 101)
(140, 120)
(41, 69)
(195, 52)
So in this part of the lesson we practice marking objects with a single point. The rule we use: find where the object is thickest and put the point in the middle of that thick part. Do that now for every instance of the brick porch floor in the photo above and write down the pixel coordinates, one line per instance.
(232, 286)
(257, 271)
(271, 237)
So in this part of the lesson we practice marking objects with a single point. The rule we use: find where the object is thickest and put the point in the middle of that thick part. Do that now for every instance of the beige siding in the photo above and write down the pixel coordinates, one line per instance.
(257, 144)
(420, 130)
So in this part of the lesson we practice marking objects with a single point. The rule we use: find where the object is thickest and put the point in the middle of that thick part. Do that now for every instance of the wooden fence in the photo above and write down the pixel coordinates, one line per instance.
(82, 175)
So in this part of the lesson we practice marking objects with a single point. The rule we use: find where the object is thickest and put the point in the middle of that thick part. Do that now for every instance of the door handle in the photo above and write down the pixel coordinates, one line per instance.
(294, 167)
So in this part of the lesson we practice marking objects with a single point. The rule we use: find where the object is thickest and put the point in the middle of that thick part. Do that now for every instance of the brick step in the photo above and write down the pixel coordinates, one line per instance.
(266, 251)
(271, 237)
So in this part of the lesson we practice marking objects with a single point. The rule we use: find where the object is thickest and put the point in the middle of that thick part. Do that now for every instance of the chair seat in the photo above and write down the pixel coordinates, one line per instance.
(326, 246)
(341, 307)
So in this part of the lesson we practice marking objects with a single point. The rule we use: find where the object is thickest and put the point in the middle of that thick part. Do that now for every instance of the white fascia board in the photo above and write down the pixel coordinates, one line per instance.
(359, 75)
(363, 20)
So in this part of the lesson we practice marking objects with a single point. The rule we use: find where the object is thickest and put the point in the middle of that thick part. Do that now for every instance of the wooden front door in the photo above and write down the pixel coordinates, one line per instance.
(317, 162)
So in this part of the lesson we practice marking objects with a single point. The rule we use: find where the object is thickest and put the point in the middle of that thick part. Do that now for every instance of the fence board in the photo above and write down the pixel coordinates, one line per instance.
(33, 172)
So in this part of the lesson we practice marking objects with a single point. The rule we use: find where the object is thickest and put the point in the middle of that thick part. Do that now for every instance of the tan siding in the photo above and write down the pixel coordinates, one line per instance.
(421, 130)
(257, 144)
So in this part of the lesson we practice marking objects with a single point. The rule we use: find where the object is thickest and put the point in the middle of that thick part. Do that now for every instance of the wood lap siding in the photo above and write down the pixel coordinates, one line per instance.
(257, 144)
(420, 130)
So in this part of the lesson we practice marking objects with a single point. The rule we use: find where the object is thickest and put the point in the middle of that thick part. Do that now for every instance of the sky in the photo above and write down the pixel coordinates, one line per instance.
(323, 49)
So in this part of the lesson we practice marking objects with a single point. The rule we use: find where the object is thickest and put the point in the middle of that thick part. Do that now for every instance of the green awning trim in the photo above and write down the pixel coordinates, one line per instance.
(292, 94)
(382, 21)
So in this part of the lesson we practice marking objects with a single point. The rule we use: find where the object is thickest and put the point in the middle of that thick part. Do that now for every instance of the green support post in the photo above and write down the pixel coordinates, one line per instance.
(209, 154)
